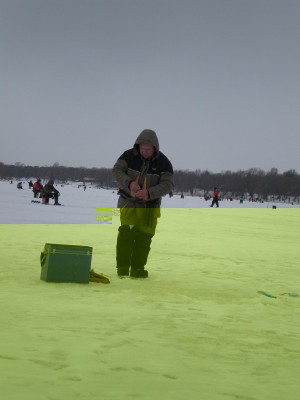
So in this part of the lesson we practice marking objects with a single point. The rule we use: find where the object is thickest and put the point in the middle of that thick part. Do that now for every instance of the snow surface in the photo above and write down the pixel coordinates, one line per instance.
(197, 328)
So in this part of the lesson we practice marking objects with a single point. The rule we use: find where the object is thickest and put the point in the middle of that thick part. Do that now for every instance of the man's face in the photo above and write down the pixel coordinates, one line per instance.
(147, 150)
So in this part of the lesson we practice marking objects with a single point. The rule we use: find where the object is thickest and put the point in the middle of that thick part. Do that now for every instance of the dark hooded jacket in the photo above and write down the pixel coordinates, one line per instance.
(155, 175)
(49, 188)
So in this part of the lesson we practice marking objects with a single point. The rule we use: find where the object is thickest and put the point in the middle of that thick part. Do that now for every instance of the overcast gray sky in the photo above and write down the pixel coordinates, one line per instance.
(218, 80)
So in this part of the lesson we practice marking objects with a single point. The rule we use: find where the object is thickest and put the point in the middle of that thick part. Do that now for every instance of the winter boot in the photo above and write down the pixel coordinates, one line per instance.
(122, 271)
(125, 243)
(139, 273)
(140, 254)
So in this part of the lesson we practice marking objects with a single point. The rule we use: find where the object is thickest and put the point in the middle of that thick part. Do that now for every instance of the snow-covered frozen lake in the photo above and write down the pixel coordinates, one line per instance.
(80, 206)
(200, 327)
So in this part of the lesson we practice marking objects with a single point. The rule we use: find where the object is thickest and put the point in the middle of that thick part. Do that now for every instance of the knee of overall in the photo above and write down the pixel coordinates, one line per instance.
(126, 233)
(144, 239)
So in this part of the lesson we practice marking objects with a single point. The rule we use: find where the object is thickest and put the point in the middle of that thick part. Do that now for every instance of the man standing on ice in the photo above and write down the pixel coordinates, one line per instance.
(215, 198)
(144, 174)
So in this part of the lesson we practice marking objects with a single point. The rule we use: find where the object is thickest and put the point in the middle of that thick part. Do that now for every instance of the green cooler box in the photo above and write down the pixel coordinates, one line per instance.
(66, 263)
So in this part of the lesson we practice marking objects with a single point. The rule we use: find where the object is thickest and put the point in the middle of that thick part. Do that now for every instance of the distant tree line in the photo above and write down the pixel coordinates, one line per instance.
(253, 182)
(100, 176)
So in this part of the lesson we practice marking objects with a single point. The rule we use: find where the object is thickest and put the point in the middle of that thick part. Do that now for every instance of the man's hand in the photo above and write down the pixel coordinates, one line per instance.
(142, 194)
(134, 187)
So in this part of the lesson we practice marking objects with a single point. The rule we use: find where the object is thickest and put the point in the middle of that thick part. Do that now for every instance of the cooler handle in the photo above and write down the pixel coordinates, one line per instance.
(43, 257)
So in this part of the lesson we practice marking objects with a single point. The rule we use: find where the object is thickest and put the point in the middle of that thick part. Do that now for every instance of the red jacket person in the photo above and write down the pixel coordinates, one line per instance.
(215, 198)
(37, 188)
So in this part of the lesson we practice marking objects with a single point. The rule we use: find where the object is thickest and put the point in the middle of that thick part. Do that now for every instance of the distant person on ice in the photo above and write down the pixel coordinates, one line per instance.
(144, 174)
(37, 188)
(215, 200)
(50, 192)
